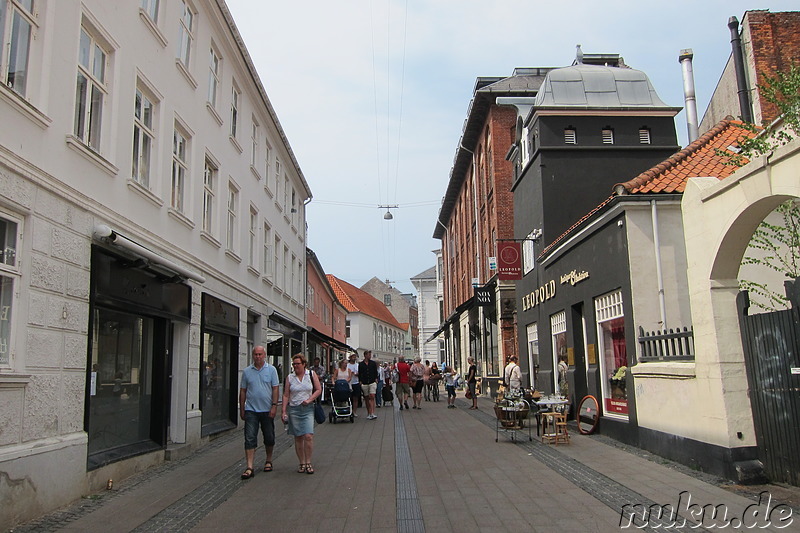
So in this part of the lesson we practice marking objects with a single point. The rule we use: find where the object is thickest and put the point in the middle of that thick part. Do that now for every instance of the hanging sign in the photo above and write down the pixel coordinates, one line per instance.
(484, 296)
(509, 260)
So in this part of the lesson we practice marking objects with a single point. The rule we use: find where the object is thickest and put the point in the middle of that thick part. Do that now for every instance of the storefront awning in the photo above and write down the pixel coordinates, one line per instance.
(284, 325)
(325, 338)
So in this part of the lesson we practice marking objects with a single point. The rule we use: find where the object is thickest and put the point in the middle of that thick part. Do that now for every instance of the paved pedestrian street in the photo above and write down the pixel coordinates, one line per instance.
(434, 469)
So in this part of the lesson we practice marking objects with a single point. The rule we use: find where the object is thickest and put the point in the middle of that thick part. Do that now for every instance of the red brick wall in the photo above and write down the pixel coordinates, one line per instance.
(774, 40)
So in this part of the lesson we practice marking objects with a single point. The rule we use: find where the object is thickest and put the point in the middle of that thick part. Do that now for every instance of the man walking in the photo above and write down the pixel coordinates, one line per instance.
(355, 384)
(368, 377)
(258, 404)
(403, 388)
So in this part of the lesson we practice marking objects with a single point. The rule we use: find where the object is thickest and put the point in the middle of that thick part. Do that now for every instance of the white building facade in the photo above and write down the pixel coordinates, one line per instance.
(152, 216)
(429, 292)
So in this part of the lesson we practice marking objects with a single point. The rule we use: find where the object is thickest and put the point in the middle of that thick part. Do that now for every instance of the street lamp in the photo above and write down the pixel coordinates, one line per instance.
(388, 214)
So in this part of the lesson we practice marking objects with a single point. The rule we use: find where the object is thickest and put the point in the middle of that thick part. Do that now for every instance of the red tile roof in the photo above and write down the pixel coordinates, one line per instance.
(698, 159)
(357, 301)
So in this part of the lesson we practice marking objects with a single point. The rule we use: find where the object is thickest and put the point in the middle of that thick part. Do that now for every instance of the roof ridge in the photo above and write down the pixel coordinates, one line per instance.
(675, 159)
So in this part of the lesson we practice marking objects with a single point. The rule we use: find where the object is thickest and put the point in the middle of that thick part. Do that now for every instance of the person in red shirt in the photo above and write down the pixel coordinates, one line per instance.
(403, 389)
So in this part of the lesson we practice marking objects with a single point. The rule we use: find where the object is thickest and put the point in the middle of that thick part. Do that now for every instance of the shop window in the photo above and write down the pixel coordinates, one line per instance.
(120, 402)
(10, 237)
(533, 352)
(558, 329)
(218, 365)
(613, 360)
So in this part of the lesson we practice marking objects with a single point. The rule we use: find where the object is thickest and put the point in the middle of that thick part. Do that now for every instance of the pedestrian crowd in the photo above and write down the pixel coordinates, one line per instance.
(366, 383)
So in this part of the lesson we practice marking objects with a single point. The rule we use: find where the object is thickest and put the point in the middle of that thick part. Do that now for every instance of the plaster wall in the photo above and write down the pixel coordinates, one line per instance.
(719, 218)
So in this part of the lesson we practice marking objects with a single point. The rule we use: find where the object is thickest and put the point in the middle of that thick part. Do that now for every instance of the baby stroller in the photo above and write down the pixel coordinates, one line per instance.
(341, 406)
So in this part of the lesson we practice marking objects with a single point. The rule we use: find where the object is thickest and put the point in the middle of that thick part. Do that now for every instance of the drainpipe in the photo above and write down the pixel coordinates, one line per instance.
(659, 274)
(738, 63)
(685, 59)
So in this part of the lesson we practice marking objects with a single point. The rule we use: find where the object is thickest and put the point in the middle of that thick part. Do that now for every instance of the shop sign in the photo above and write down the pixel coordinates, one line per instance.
(492, 263)
(542, 294)
(509, 265)
(484, 296)
(574, 277)
(616, 406)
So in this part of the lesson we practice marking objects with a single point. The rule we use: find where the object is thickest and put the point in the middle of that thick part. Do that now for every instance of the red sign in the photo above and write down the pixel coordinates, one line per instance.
(509, 260)
(617, 406)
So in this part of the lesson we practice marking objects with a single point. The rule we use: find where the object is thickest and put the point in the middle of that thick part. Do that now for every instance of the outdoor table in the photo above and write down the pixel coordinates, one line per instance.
(549, 404)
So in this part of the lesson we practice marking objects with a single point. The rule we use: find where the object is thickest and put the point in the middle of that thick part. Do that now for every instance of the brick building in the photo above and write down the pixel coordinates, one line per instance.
(770, 43)
(477, 211)
(325, 316)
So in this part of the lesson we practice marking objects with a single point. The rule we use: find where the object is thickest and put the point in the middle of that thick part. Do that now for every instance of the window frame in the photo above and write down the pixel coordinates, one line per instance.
(570, 135)
(268, 255)
(608, 307)
(151, 9)
(180, 163)
(214, 76)
(236, 94)
(253, 238)
(232, 216)
(13, 272)
(558, 326)
(186, 38)
(85, 128)
(210, 175)
(607, 135)
(143, 130)
(9, 42)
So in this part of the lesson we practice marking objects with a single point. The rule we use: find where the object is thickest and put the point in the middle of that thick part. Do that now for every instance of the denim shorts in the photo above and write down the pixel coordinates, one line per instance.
(252, 421)
(451, 390)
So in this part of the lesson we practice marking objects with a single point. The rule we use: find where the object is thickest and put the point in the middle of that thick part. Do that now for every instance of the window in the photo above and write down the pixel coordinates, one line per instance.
(533, 352)
(278, 171)
(151, 8)
(610, 319)
(16, 24)
(276, 265)
(644, 135)
(558, 329)
(286, 191)
(143, 136)
(185, 34)
(347, 328)
(235, 95)
(10, 238)
(295, 275)
(230, 234)
(387, 300)
(267, 258)
(255, 143)
(179, 165)
(209, 181)
(252, 248)
(91, 91)
(214, 64)
(300, 277)
(268, 165)
(285, 276)
(570, 136)
(608, 135)
(310, 303)
(294, 205)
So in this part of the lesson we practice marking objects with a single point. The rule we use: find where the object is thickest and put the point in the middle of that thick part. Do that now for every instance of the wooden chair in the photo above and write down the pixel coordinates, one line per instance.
(554, 427)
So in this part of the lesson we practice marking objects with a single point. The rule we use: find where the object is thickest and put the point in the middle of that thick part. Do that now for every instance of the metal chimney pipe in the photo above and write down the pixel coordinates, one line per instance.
(738, 63)
(685, 59)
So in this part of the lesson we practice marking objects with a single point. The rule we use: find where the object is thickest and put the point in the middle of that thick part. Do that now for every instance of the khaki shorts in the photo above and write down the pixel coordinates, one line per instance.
(372, 388)
(403, 388)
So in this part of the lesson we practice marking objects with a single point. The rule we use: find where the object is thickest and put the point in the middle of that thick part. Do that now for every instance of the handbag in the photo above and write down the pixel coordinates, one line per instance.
(319, 413)
(468, 394)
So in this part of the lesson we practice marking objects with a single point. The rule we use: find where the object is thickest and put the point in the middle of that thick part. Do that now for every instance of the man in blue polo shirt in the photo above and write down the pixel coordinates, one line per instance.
(258, 404)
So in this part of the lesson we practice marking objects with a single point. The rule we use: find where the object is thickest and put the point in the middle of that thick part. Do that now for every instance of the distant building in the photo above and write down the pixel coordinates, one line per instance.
(428, 284)
(403, 307)
(369, 324)
(325, 316)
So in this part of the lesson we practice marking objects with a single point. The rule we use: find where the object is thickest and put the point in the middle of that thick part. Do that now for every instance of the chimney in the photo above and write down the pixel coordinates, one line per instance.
(738, 63)
(685, 59)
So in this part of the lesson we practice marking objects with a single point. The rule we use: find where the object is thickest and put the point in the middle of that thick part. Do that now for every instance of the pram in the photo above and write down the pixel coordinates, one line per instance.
(341, 406)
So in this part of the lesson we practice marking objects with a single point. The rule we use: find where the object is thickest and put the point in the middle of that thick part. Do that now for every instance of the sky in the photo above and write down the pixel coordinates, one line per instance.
(373, 96)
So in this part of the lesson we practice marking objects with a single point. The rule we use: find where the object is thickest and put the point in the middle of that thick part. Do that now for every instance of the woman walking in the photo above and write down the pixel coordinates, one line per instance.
(299, 392)
(472, 380)
(416, 374)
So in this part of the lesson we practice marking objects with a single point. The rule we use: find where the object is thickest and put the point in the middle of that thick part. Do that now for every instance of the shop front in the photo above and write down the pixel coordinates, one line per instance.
(284, 337)
(219, 351)
(134, 312)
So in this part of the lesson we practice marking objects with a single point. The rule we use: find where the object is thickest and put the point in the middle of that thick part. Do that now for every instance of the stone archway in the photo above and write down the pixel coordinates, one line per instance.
(719, 218)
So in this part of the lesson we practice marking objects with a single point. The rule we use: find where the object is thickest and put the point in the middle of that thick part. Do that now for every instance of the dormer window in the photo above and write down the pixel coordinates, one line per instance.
(608, 135)
(644, 135)
(570, 136)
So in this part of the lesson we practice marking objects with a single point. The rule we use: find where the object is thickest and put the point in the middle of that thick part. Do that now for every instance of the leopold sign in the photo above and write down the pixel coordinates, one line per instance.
(509, 260)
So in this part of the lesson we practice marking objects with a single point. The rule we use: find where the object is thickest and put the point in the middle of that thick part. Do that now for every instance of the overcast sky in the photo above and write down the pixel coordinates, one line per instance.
(373, 96)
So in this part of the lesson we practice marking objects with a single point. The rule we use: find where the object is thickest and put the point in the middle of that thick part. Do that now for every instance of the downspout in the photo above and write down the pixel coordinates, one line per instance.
(738, 63)
(659, 273)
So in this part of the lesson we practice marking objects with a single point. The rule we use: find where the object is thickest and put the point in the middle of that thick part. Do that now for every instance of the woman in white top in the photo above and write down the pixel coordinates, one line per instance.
(299, 392)
(342, 372)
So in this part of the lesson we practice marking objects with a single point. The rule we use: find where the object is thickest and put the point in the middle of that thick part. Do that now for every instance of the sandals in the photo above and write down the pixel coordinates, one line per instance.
(309, 468)
(248, 473)
(301, 469)
(268, 466)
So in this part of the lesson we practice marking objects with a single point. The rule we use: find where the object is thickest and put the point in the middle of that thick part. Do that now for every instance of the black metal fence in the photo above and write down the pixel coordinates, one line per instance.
(667, 345)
